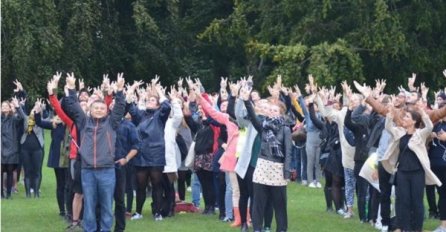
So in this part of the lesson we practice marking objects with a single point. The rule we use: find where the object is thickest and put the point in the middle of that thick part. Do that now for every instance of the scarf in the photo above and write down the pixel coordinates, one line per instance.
(31, 123)
(270, 128)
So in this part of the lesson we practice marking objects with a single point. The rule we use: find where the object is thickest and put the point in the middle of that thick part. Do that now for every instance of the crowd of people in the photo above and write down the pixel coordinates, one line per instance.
(237, 149)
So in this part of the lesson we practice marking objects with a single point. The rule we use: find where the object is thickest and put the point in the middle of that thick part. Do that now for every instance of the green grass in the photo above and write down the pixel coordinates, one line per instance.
(306, 212)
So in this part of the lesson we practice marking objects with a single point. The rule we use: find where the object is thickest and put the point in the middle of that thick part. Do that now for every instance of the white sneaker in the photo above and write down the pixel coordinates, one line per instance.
(136, 216)
(348, 215)
(378, 226)
(312, 185)
(318, 185)
(189, 189)
(158, 217)
(341, 212)
(440, 229)
(304, 182)
(385, 229)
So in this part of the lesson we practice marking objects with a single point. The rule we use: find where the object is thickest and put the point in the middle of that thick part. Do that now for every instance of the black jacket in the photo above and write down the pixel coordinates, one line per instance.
(283, 137)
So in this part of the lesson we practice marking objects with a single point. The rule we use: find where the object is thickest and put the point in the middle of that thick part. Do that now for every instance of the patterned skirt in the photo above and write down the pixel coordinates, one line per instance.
(269, 173)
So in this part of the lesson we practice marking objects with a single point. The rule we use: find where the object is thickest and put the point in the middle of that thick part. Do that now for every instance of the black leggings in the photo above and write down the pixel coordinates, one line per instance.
(9, 170)
(206, 179)
(32, 163)
(142, 178)
(333, 186)
(60, 189)
(182, 182)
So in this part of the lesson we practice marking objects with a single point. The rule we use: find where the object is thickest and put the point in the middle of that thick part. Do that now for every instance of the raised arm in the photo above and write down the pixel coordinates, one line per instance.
(59, 112)
(253, 117)
(428, 125)
(241, 113)
(42, 123)
(71, 104)
(316, 121)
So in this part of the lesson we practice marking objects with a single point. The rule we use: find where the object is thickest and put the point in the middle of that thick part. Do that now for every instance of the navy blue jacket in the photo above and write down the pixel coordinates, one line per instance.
(57, 139)
(150, 129)
(126, 140)
(437, 149)
(98, 136)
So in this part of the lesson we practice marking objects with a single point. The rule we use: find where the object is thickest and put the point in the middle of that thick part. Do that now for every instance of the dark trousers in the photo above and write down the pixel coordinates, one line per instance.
(156, 177)
(440, 172)
(69, 194)
(302, 164)
(61, 174)
(431, 199)
(362, 187)
(182, 182)
(9, 170)
(220, 182)
(206, 179)
(409, 200)
(32, 163)
(119, 196)
(373, 203)
(246, 193)
(278, 197)
(386, 191)
(129, 185)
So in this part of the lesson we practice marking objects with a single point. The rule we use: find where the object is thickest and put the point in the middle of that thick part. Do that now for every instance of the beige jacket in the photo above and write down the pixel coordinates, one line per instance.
(417, 144)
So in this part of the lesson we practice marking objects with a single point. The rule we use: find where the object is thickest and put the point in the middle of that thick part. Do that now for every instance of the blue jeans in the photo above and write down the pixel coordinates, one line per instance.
(196, 190)
(228, 197)
(300, 155)
(98, 186)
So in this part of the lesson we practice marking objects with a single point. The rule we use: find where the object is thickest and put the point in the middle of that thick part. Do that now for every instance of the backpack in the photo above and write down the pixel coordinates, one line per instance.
(349, 136)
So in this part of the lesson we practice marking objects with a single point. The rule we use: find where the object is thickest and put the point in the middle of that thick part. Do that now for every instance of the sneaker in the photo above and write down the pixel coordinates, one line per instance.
(385, 229)
(227, 219)
(341, 212)
(158, 217)
(348, 215)
(189, 189)
(440, 229)
(312, 185)
(304, 182)
(74, 227)
(378, 226)
(266, 229)
(136, 216)
(318, 185)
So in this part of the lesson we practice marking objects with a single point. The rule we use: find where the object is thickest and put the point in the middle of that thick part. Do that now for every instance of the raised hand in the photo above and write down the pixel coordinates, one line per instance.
(155, 80)
(71, 81)
(298, 93)
(411, 81)
(50, 86)
(81, 84)
(444, 73)
(363, 89)
(19, 86)
(120, 82)
(57, 77)
(223, 83)
(189, 82)
(424, 91)
(15, 102)
(180, 82)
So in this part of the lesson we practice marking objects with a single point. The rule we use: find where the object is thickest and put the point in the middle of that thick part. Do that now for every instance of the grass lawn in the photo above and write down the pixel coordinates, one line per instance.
(306, 212)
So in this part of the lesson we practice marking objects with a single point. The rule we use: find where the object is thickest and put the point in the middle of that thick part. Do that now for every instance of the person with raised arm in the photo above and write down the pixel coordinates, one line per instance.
(97, 151)
(273, 170)
(151, 159)
(406, 157)
(10, 145)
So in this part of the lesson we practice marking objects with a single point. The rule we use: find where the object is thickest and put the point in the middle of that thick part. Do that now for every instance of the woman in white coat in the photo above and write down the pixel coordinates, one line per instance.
(407, 157)
(173, 155)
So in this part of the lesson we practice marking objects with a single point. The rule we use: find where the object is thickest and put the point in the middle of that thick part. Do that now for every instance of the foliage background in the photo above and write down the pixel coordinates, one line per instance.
(332, 39)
